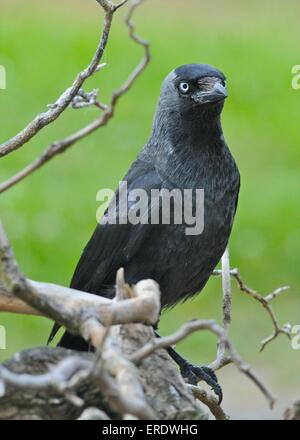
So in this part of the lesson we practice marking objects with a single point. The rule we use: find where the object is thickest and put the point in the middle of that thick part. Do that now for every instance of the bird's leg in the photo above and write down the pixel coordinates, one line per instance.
(193, 374)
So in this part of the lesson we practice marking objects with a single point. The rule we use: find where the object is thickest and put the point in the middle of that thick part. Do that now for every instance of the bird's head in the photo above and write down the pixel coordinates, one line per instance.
(194, 88)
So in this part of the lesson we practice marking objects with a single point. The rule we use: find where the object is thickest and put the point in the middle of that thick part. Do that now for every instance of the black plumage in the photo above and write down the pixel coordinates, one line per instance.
(186, 150)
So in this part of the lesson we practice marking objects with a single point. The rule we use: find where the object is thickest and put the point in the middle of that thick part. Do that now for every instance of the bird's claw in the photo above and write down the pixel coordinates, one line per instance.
(193, 374)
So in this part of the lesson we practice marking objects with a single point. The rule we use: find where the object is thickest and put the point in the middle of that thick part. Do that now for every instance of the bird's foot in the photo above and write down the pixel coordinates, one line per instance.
(193, 374)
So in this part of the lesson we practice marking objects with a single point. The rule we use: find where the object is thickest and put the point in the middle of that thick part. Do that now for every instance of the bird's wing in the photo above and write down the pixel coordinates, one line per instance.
(113, 245)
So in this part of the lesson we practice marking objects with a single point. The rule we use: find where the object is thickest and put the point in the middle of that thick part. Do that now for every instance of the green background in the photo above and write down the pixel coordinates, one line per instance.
(51, 215)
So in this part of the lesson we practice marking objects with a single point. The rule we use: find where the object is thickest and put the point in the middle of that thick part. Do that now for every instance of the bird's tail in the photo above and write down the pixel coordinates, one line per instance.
(54, 330)
(76, 342)
(73, 342)
(68, 340)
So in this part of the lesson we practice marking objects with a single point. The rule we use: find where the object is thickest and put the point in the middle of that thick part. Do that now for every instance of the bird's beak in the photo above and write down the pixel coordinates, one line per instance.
(216, 94)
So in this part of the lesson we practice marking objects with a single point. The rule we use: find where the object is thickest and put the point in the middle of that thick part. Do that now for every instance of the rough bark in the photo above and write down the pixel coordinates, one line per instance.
(164, 390)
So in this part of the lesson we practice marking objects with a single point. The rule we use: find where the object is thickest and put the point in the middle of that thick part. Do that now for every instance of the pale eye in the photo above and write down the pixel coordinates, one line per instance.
(184, 87)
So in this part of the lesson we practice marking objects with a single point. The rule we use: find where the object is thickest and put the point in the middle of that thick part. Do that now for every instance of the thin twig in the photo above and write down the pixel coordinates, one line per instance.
(61, 146)
(191, 327)
(222, 359)
(109, 6)
(265, 302)
(210, 401)
(55, 110)
(226, 285)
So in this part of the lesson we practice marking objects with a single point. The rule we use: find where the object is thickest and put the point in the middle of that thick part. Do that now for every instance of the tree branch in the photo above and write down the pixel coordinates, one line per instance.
(265, 302)
(61, 146)
(86, 314)
(210, 401)
(222, 336)
(222, 358)
(81, 312)
(55, 110)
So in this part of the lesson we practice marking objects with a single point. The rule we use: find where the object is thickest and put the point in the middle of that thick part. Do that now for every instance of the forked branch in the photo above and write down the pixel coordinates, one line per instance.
(266, 303)
(73, 96)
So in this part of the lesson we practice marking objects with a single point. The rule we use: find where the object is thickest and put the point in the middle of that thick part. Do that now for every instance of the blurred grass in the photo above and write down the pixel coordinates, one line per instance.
(50, 216)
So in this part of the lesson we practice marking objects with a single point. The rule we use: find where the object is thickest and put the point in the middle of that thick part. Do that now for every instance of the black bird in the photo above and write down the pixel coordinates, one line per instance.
(186, 150)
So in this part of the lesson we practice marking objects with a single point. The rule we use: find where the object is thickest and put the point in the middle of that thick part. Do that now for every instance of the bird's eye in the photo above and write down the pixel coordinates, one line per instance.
(184, 87)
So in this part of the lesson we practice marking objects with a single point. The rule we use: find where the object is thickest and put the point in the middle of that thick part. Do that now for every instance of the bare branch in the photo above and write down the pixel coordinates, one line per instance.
(11, 304)
(66, 305)
(210, 401)
(86, 315)
(222, 359)
(93, 414)
(220, 362)
(226, 284)
(61, 146)
(57, 378)
(167, 341)
(265, 302)
(55, 110)
(81, 312)
(110, 384)
(293, 413)
(122, 3)
(123, 377)
(211, 326)
(109, 6)
(87, 99)
(115, 377)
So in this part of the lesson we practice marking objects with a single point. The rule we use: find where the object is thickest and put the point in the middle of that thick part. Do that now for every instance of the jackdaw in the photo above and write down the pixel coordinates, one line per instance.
(186, 151)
